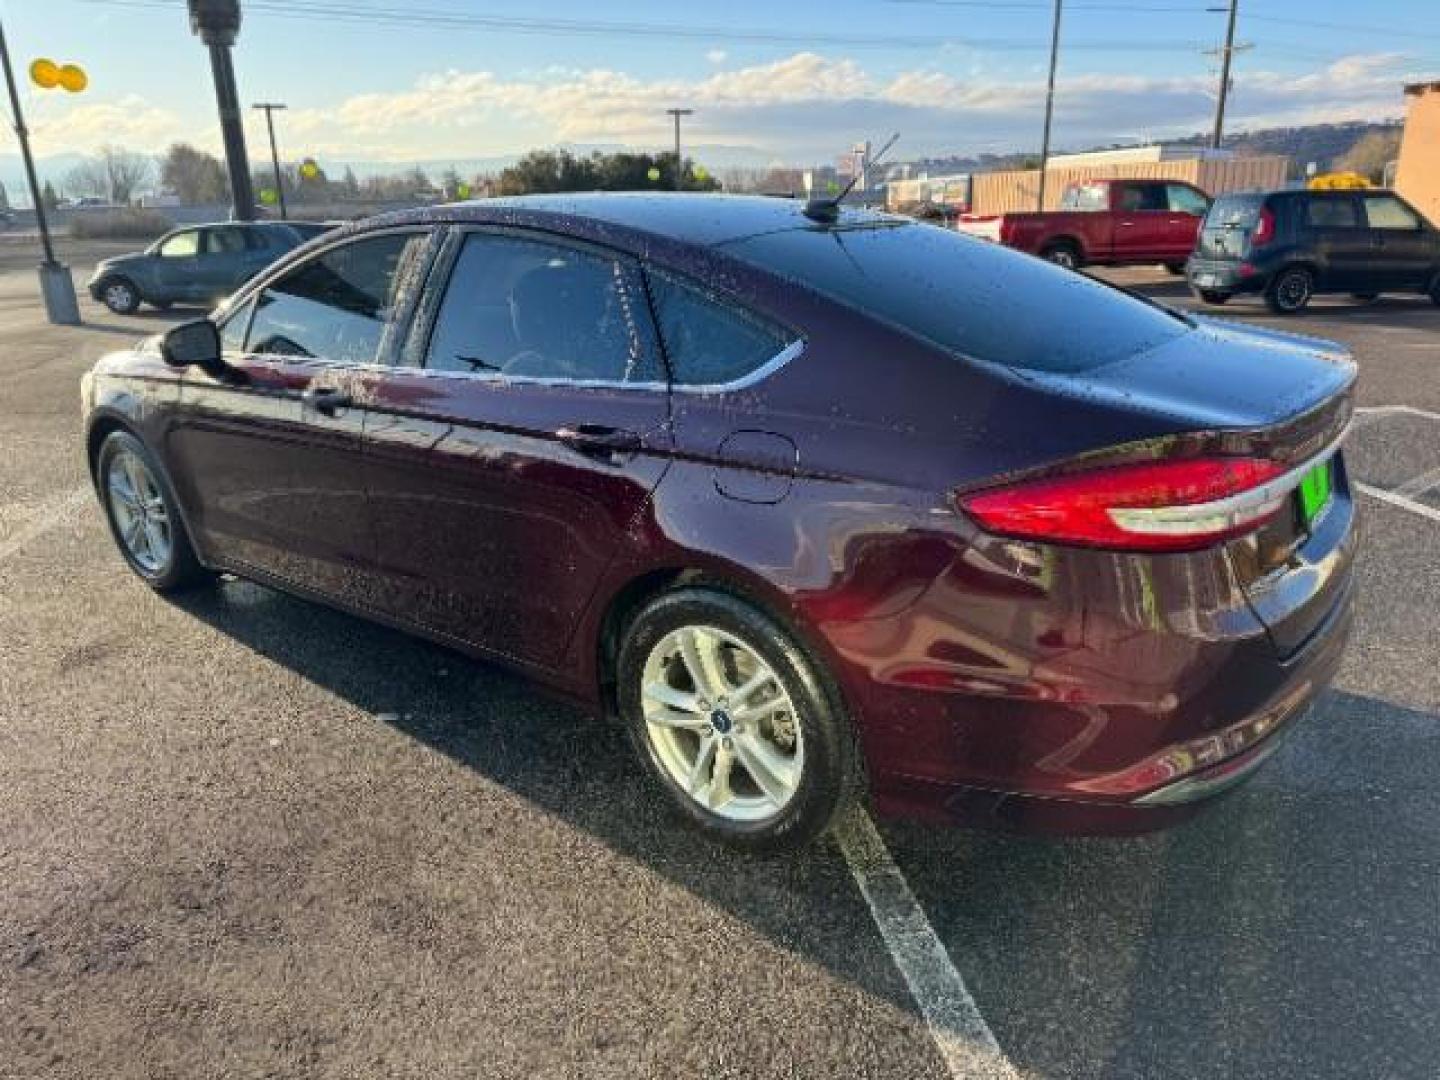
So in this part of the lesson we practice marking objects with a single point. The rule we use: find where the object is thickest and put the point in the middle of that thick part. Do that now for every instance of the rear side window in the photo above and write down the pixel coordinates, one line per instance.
(967, 296)
(1186, 200)
(338, 305)
(1085, 197)
(708, 342)
(1388, 212)
(536, 310)
(226, 240)
(1331, 214)
(1136, 197)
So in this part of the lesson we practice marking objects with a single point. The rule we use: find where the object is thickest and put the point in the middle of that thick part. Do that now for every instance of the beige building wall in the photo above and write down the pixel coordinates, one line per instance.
(1004, 192)
(1417, 177)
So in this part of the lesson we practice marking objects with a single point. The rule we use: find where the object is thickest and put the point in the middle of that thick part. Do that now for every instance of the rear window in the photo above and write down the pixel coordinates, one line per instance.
(1234, 212)
(1086, 197)
(965, 295)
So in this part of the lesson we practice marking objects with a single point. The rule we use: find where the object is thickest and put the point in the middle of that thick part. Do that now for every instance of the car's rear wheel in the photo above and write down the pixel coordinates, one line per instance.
(143, 518)
(1290, 290)
(734, 720)
(120, 295)
(1063, 253)
(1210, 296)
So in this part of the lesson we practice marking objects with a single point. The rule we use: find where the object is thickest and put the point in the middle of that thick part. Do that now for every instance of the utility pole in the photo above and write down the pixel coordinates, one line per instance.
(56, 285)
(679, 167)
(1226, 53)
(270, 107)
(1049, 104)
(217, 22)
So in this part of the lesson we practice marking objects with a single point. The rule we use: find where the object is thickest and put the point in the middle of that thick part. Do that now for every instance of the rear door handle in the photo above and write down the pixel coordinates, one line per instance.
(600, 441)
(326, 400)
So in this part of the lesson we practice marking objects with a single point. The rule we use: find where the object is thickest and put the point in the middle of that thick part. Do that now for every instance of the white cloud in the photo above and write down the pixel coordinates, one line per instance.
(803, 107)
(717, 56)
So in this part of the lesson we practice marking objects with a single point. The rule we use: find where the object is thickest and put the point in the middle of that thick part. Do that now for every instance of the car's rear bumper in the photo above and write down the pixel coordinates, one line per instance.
(1228, 276)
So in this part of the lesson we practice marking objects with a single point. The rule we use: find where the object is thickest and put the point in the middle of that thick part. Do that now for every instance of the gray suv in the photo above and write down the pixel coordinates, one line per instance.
(199, 263)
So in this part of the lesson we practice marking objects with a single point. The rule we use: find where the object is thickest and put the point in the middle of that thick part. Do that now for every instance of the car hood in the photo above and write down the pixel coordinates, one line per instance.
(116, 262)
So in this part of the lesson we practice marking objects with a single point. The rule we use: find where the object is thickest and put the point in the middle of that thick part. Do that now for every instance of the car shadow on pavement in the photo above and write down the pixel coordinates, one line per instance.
(1252, 941)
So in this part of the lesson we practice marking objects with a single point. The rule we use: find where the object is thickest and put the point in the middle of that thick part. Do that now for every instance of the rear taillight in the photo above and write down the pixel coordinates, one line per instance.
(1154, 506)
(1265, 229)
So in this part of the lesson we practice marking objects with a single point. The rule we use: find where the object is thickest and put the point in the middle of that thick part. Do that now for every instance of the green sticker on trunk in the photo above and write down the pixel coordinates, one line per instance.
(1315, 490)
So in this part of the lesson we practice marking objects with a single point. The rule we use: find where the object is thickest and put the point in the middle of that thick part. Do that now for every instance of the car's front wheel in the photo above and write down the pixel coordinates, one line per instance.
(734, 720)
(1210, 296)
(120, 295)
(1290, 290)
(143, 517)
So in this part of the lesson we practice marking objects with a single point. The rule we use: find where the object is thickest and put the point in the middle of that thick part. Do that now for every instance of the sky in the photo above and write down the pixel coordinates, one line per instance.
(794, 83)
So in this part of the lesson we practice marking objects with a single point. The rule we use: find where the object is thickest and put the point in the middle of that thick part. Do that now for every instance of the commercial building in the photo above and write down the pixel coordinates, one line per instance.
(1417, 176)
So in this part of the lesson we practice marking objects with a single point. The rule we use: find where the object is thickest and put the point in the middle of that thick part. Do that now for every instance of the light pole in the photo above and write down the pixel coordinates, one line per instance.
(218, 22)
(56, 285)
(270, 107)
(1049, 104)
(679, 169)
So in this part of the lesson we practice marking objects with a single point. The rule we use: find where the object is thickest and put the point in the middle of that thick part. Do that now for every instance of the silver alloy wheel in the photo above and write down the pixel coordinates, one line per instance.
(139, 511)
(1063, 256)
(119, 296)
(721, 723)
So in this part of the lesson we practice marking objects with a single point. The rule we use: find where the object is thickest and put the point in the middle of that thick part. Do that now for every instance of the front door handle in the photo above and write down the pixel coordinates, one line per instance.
(600, 441)
(326, 400)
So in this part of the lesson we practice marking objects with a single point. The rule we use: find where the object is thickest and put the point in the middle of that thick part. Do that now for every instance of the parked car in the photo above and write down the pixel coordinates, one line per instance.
(1290, 245)
(815, 502)
(194, 263)
(1105, 223)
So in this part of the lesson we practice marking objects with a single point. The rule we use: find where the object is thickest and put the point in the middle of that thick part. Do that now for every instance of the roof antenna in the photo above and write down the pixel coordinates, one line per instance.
(827, 210)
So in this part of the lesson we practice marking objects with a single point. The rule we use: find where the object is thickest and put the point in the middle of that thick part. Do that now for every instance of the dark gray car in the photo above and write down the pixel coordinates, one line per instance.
(199, 263)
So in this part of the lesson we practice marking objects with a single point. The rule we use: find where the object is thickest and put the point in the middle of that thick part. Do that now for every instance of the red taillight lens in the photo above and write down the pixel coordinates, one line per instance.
(1265, 230)
(1154, 506)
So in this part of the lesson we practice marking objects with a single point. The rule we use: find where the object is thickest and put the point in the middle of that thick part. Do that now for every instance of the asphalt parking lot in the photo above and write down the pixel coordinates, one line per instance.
(243, 835)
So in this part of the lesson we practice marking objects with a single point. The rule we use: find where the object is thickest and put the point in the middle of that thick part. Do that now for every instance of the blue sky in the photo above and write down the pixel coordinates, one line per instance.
(793, 82)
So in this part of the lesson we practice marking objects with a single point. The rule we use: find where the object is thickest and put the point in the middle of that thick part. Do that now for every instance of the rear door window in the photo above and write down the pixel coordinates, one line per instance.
(1388, 212)
(531, 309)
(338, 305)
(1138, 197)
(1332, 213)
(707, 341)
(225, 240)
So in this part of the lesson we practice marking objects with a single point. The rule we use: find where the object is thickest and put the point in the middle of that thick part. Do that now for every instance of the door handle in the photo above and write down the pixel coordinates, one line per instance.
(1127, 224)
(326, 400)
(600, 441)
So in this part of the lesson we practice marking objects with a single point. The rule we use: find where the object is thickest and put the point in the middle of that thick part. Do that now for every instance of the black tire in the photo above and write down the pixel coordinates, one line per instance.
(1175, 269)
(180, 569)
(1064, 253)
(1290, 290)
(1435, 291)
(1210, 296)
(829, 780)
(120, 295)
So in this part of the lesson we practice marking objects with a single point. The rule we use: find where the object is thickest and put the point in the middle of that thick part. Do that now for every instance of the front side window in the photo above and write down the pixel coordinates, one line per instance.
(709, 343)
(338, 305)
(1388, 212)
(181, 245)
(1186, 200)
(1331, 214)
(535, 310)
(232, 328)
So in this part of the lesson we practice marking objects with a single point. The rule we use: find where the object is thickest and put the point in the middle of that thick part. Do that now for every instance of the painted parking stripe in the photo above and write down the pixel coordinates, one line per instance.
(964, 1040)
(1393, 410)
(1400, 501)
(56, 515)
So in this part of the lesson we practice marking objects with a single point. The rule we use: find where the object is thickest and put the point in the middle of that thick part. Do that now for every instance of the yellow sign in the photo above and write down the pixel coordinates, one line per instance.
(269, 196)
(308, 169)
(654, 173)
(73, 78)
(701, 173)
(45, 74)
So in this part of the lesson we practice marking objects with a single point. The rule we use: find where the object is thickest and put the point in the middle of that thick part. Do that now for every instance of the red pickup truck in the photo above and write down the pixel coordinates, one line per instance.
(1105, 222)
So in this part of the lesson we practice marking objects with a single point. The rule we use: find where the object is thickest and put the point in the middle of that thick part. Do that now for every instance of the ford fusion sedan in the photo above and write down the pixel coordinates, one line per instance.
(200, 263)
(821, 505)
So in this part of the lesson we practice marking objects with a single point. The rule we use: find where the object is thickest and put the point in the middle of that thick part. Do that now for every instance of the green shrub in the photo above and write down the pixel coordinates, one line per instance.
(127, 224)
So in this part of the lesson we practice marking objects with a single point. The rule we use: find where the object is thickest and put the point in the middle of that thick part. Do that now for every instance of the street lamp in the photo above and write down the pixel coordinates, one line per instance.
(270, 107)
(677, 114)
(217, 22)
(56, 285)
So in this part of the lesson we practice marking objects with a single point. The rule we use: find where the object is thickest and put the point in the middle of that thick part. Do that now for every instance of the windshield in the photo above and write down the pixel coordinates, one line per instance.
(967, 296)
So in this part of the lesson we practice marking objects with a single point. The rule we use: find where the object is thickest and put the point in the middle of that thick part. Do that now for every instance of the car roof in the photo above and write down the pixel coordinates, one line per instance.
(691, 218)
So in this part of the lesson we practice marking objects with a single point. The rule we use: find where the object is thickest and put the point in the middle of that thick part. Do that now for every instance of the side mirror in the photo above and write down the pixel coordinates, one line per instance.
(192, 344)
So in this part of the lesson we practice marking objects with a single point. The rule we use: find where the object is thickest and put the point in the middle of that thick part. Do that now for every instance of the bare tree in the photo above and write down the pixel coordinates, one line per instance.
(125, 172)
(86, 179)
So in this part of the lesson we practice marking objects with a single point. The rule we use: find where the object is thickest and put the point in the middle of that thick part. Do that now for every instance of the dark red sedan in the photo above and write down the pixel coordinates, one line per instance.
(821, 505)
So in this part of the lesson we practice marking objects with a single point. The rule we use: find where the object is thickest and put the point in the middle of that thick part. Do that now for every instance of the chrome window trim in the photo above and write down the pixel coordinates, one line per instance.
(1219, 514)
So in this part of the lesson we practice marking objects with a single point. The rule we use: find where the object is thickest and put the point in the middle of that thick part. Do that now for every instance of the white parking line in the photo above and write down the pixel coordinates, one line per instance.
(48, 520)
(964, 1040)
(1400, 501)
(1390, 410)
